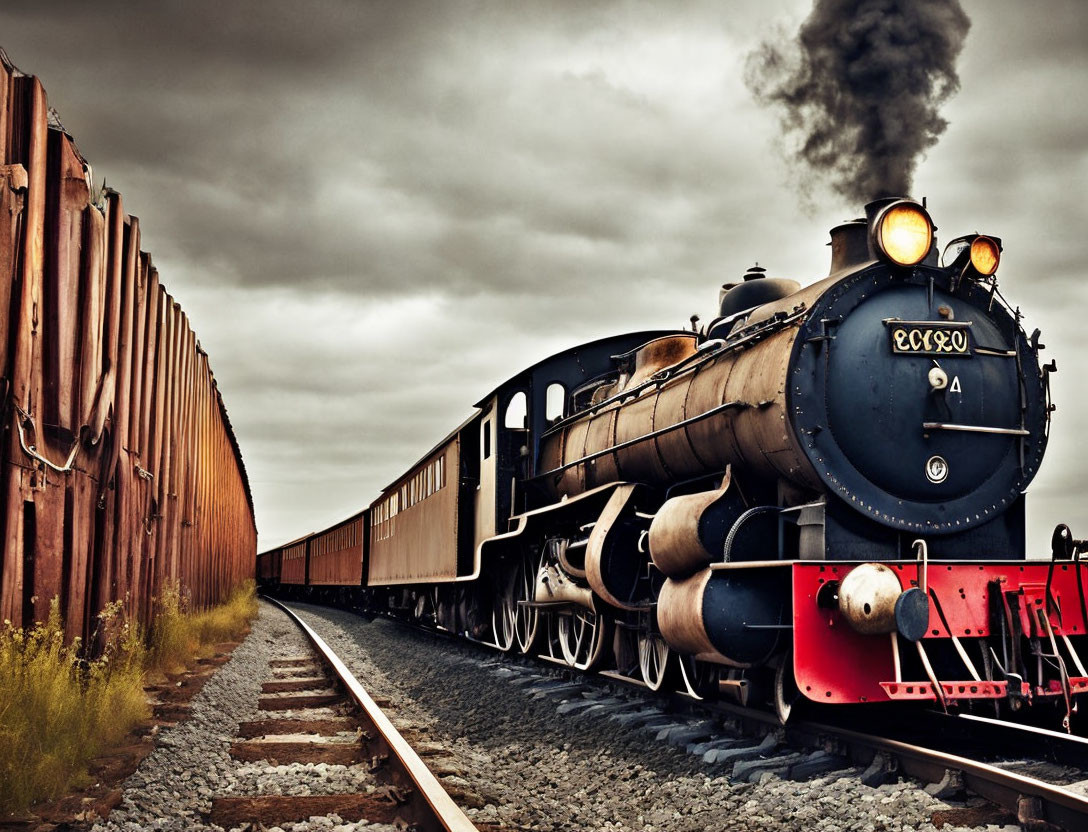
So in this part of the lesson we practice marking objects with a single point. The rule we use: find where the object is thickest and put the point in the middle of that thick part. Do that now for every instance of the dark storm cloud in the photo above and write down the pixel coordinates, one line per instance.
(376, 212)
(436, 147)
(862, 87)
(262, 38)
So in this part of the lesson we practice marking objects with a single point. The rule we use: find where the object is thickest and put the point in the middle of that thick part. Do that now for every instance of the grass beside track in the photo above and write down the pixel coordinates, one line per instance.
(59, 709)
(179, 638)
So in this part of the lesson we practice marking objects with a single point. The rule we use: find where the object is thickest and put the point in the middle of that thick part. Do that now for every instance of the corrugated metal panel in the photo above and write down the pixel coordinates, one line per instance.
(336, 555)
(120, 468)
(293, 564)
(413, 528)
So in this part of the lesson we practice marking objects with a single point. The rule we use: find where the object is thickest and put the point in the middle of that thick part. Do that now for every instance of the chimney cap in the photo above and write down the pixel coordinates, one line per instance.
(755, 272)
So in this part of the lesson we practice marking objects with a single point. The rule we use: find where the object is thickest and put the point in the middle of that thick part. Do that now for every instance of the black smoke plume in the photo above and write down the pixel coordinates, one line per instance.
(861, 88)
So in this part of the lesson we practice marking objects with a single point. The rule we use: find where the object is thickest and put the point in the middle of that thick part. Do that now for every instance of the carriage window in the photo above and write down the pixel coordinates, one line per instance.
(486, 444)
(555, 401)
(516, 412)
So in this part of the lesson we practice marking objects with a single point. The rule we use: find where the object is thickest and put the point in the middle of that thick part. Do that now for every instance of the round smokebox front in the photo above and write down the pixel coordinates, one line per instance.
(909, 401)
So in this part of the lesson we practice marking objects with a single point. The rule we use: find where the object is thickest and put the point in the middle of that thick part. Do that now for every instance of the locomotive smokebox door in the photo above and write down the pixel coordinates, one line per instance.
(919, 404)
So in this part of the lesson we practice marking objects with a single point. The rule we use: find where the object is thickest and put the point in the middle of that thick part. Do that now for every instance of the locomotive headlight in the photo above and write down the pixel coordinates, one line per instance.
(903, 233)
(977, 254)
(985, 255)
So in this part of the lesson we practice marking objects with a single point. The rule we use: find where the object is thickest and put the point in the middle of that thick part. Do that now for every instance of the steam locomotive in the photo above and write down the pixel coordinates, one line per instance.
(818, 495)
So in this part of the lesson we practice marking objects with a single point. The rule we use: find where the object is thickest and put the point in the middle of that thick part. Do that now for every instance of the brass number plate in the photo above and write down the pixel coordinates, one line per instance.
(910, 338)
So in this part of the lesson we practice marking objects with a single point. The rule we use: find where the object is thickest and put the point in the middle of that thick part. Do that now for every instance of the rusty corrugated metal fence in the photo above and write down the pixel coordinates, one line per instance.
(120, 468)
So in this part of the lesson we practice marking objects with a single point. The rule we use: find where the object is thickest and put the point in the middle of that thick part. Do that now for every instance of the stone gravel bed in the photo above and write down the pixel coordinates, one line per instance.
(520, 763)
(174, 786)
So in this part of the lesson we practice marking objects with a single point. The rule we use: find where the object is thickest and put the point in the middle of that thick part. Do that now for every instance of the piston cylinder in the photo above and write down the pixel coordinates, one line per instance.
(737, 618)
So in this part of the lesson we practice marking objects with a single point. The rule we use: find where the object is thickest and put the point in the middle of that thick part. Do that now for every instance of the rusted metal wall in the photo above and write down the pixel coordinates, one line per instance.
(120, 468)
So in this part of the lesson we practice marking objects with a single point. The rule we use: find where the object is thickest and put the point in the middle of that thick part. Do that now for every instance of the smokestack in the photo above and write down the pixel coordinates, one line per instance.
(849, 245)
(877, 205)
(861, 88)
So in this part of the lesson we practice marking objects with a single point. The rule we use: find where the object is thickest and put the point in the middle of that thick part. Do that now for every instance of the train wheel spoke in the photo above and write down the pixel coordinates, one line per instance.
(653, 659)
(786, 693)
(514, 624)
(582, 635)
(700, 678)
(502, 621)
(525, 617)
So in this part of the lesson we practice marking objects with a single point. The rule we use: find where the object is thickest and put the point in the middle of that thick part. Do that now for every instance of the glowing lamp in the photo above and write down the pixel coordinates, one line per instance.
(985, 255)
(903, 233)
(976, 254)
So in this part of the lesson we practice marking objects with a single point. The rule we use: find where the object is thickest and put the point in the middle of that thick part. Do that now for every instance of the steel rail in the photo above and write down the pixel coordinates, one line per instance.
(426, 803)
(968, 730)
(1029, 798)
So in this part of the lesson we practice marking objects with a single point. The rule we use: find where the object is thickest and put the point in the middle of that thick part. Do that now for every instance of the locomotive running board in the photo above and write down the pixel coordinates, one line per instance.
(953, 691)
(923, 691)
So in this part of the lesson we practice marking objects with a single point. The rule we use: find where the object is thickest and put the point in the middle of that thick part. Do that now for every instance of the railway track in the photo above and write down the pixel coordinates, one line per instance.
(1034, 802)
(1041, 785)
(1043, 781)
(409, 796)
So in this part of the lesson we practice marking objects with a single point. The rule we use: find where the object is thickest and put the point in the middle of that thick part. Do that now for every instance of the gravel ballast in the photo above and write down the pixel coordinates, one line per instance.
(518, 748)
(174, 786)
(521, 763)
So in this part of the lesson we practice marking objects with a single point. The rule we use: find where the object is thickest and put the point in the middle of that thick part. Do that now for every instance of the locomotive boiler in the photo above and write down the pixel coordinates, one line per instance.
(819, 494)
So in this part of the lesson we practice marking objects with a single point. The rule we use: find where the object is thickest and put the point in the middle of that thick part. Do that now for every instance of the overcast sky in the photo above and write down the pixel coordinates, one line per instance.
(373, 213)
